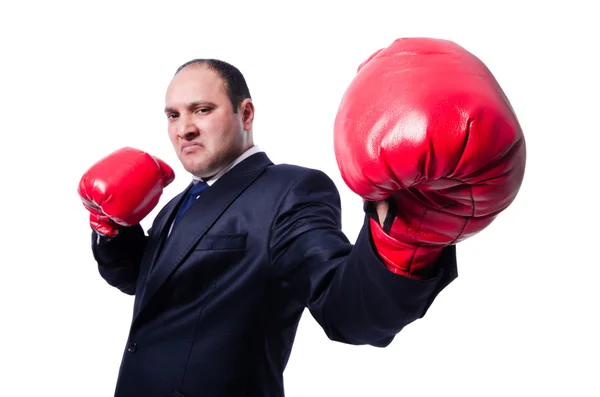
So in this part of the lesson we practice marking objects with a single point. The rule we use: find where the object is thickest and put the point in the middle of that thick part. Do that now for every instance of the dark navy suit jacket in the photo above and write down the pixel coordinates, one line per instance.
(217, 303)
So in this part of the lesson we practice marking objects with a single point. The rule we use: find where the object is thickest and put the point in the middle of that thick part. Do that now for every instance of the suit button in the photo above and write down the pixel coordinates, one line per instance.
(132, 348)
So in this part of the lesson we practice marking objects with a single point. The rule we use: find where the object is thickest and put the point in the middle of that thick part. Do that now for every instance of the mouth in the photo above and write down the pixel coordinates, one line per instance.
(190, 147)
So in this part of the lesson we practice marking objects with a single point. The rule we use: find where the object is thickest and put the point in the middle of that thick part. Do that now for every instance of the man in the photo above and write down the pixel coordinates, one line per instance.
(229, 265)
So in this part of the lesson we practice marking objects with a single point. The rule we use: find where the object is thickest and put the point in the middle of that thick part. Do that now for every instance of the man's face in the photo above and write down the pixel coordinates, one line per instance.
(205, 132)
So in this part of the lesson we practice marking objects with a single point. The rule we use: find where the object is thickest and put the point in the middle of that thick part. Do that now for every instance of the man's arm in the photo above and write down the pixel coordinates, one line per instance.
(347, 288)
(119, 257)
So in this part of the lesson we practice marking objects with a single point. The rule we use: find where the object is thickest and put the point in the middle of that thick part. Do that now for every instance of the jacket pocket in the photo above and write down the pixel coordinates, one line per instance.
(233, 241)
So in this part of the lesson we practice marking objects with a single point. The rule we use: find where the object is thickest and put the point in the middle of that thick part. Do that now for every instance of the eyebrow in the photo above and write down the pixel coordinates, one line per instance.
(191, 105)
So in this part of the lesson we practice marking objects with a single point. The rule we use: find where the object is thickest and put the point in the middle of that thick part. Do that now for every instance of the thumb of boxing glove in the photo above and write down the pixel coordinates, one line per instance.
(103, 225)
(167, 171)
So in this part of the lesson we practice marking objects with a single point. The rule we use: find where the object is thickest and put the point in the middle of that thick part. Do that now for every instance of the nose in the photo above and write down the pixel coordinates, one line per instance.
(187, 129)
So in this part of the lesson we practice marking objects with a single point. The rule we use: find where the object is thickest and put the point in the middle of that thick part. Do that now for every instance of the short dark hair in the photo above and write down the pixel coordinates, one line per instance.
(235, 83)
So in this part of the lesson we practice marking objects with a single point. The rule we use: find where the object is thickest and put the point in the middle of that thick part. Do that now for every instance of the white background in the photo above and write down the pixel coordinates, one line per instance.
(81, 79)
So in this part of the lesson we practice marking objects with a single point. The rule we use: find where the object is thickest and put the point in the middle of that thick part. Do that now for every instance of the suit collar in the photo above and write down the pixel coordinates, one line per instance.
(205, 211)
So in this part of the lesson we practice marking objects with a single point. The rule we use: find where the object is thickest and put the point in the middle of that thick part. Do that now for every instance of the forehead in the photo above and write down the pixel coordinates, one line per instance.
(195, 83)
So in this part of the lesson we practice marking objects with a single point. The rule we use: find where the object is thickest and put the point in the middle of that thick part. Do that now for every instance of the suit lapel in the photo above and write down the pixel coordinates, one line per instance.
(197, 221)
(157, 237)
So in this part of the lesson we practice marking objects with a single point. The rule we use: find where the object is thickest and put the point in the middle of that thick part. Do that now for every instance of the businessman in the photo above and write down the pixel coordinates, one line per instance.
(227, 268)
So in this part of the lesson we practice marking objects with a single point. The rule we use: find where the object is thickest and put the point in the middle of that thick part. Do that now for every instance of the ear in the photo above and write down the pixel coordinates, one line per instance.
(246, 111)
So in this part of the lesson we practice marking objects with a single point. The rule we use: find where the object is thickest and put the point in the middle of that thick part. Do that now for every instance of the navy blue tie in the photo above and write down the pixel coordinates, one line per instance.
(189, 199)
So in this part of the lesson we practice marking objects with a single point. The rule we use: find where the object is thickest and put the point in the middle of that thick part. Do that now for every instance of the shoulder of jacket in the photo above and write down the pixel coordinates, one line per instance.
(292, 171)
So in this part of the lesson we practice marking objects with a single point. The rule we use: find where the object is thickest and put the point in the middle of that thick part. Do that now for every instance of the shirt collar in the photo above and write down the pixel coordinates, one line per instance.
(245, 155)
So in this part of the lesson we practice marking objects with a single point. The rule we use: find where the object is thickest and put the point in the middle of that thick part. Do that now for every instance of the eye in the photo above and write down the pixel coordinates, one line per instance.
(172, 116)
(203, 110)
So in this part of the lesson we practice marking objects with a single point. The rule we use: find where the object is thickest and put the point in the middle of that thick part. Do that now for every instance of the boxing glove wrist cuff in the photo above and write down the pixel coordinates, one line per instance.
(102, 239)
(402, 258)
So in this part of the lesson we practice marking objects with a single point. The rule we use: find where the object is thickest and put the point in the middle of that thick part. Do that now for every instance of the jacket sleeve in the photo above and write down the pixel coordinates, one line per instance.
(120, 257)
(347, 287)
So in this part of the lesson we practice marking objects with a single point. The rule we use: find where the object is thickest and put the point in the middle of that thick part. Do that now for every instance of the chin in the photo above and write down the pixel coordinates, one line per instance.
(199, 170)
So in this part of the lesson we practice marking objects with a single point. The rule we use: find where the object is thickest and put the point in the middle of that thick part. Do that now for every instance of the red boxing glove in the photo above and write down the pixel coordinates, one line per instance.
(122, 188)
(425, 125)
